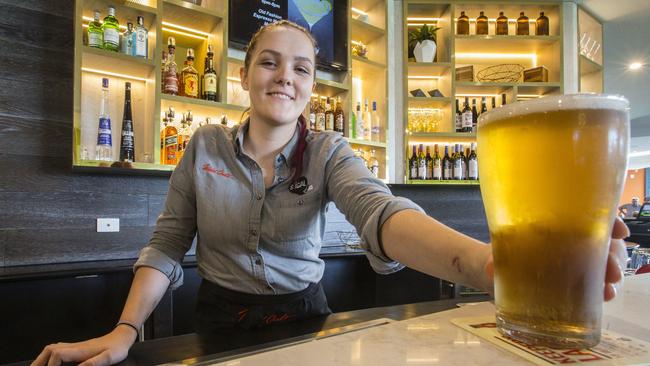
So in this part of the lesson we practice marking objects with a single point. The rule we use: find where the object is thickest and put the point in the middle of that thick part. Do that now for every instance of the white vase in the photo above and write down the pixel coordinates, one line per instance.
(425, 51)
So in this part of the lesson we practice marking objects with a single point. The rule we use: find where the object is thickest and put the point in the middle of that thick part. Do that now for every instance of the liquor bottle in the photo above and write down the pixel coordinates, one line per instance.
(367, 122)
(422, 163)
(541, 25)
(104, 148)
(111, 31)
(447, 166)
(210, 77)
(413, 165)
(329, 115)
(339, 117)
(457, 165)
(522, 25)
(127, 142)
(95, 33)
(429, 162)
(482, 24)
(436, 164)
(126, 43)
(224, 120)
(502, 25)
(140, 39)
(458, 119)
(320, 115)
(171, 76)
(462, 24)
(494, 102)
(353, 124)
(184, 134)
(483, 105)
(163, 129)
(360, 123)
(171, 139)
(474, 116)
(467, 117)
(472, 163)
(190, 77)
(162, 72)
(374, 164)
(463, 160)
(503, 99)
(375, 123)
(312, 114)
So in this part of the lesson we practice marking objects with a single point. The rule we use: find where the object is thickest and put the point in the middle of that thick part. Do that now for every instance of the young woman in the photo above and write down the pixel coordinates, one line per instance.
(255, 198)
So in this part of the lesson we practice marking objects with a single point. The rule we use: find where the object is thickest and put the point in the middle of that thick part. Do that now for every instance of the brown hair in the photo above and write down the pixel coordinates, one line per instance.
(297, 157)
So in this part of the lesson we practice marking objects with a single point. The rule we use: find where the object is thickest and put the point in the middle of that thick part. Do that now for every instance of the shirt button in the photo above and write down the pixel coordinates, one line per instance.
(300, 202)
(279, 159)
(258, 262)
(259, 197)
(254, 232)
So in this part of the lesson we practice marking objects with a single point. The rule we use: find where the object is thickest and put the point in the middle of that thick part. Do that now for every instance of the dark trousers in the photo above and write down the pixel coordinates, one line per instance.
(221, 310)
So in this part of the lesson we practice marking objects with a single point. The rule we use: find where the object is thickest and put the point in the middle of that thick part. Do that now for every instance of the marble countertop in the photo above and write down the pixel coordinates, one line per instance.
(432, 339)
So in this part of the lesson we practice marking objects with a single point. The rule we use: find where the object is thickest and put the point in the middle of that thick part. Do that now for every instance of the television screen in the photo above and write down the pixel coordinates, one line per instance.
(326, 19)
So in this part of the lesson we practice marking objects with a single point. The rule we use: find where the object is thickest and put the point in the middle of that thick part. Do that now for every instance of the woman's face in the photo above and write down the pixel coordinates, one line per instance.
(280, 77)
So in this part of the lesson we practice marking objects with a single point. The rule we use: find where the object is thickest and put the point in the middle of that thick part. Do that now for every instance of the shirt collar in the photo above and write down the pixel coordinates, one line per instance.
(285, 154)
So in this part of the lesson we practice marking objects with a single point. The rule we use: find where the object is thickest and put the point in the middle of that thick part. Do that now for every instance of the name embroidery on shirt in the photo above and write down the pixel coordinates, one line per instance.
(208, 168)
(300, 186)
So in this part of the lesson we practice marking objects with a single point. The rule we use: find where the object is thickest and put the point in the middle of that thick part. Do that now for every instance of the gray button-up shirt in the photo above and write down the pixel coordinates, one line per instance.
(265, 241)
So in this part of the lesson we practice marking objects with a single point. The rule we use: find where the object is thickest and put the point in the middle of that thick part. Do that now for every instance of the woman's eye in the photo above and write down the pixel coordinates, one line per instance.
(304, 70)
(268, 63)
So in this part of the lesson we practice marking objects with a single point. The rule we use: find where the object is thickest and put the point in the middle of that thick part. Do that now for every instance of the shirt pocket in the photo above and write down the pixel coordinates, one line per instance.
(297, 217)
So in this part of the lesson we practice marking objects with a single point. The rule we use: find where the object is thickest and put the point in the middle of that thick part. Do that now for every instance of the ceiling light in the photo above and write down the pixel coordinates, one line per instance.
(639, 153)
(635, 65)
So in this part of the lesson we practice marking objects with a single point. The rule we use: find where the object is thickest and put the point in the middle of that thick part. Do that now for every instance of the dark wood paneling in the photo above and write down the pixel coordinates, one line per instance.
(42, 246)
(26, 210)
(3, 243)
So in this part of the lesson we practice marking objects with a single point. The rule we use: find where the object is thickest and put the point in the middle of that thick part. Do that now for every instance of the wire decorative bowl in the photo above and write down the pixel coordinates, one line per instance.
(349, 238)
(502, 73)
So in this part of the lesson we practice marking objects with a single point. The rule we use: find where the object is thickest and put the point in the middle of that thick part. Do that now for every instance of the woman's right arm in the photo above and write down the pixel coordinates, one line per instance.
(148, 287)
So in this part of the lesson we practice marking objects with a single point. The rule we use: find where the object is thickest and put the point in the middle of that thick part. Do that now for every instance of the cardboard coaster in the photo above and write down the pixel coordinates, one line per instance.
(613, 349)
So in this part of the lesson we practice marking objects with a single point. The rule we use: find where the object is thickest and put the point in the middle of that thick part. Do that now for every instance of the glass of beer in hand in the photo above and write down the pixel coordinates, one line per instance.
(552, 171)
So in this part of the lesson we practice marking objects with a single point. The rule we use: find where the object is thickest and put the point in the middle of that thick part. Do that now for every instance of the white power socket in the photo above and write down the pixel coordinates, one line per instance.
(108, 225)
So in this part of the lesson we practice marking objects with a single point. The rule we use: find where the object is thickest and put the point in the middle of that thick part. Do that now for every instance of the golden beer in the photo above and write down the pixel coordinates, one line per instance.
(552, 172)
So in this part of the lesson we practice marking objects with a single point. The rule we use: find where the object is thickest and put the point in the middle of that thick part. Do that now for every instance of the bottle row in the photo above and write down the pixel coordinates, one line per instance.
(467, 119)
(326, 114)
(186, 83)
(458, 163)
(370, 160)
(501, 25)
(104, 148)
(366, 125)
(134, 41)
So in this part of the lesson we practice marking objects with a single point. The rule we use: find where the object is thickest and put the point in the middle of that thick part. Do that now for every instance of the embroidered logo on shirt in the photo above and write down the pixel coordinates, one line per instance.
(208, 168)
(300, 186)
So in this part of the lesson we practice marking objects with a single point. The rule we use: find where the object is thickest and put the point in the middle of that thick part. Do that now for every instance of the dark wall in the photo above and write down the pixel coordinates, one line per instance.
(47, 213)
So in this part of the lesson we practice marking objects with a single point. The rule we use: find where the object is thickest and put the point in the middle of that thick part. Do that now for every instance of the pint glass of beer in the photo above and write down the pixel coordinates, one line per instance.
(552, 171)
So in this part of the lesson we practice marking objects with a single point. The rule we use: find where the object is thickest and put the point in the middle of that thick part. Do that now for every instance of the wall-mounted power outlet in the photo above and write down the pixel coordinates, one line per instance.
(108, 225)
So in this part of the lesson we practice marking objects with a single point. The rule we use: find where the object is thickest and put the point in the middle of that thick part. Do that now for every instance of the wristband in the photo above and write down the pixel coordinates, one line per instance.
(137, 332)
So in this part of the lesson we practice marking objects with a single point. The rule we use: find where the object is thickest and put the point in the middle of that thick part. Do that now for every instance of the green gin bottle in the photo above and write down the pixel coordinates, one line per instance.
(95, 34)
(111, 31)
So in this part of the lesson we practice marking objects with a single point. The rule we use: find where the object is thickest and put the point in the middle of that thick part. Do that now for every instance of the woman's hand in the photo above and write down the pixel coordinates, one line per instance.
(106, 350)
(616, 261)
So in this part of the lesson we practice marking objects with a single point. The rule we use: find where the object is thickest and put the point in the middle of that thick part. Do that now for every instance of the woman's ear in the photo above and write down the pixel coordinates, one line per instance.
(243, 77)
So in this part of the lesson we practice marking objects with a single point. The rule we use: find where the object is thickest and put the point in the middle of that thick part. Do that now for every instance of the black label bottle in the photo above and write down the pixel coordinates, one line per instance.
(127, 143)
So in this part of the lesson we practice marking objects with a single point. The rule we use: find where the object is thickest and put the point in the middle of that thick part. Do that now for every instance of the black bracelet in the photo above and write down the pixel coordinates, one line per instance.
(137, 332)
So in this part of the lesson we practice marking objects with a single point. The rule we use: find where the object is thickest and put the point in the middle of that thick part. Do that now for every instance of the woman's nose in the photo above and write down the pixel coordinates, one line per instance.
(283, 76)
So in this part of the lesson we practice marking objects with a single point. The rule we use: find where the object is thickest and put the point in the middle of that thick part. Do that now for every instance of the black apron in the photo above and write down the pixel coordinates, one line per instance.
(219, 309)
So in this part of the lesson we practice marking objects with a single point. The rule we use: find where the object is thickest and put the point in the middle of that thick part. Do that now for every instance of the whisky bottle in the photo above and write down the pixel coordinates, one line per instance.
(170, 80)
(163, 129)
(320, 115)
(413, 165)
(126, 42)
(482, 24)
(374, 163)
(502, 25)
(541, 25)
(104, 148)
(429, 163)
(522, 25)
(467, 117)
(312, 114)
(111, 31)
(375, 123)
(329, 116)
(447, 166)
(127, 142)
(210, 77)
(140, 39)
(171, 139)
(95, 34)
(339, 117)
(190, 77)
(462, 24)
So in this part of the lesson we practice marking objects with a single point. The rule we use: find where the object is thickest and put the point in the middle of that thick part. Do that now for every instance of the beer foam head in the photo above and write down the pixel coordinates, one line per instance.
(556, 103)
